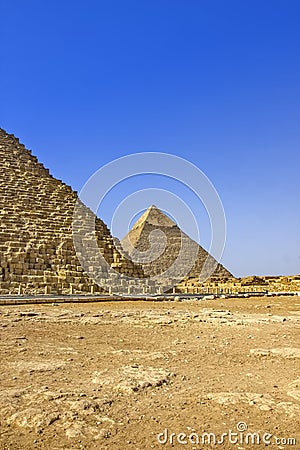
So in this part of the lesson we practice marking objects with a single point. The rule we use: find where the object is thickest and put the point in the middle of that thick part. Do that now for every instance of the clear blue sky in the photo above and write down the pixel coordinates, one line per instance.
(216, 82)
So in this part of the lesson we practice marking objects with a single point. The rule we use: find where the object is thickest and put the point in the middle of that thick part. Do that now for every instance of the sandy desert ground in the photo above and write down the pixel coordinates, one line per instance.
(118, 375)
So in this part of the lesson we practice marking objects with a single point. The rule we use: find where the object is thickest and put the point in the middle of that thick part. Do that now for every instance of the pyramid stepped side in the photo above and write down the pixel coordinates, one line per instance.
(37, 253)
(137, 240)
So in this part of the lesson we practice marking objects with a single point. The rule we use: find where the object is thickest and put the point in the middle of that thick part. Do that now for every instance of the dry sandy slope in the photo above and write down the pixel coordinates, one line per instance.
(115, 375)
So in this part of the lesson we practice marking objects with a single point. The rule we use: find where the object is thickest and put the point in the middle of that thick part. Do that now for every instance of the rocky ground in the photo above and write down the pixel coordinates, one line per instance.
(128, 375)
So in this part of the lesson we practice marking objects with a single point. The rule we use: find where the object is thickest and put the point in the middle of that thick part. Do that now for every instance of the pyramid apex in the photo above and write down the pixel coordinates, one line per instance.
(154, 216)
(153, 208)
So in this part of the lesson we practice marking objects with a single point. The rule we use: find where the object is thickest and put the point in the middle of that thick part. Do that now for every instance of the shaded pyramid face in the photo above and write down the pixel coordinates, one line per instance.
(37, 253)
(165, 252)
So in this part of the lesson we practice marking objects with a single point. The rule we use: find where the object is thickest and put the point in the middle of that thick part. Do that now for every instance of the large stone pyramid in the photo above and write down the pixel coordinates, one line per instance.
(165, 252)
(37, 253)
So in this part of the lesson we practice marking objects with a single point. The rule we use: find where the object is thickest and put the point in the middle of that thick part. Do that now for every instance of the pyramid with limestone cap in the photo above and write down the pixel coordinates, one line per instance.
(37, 253)
(154, 216)
(163, 249)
